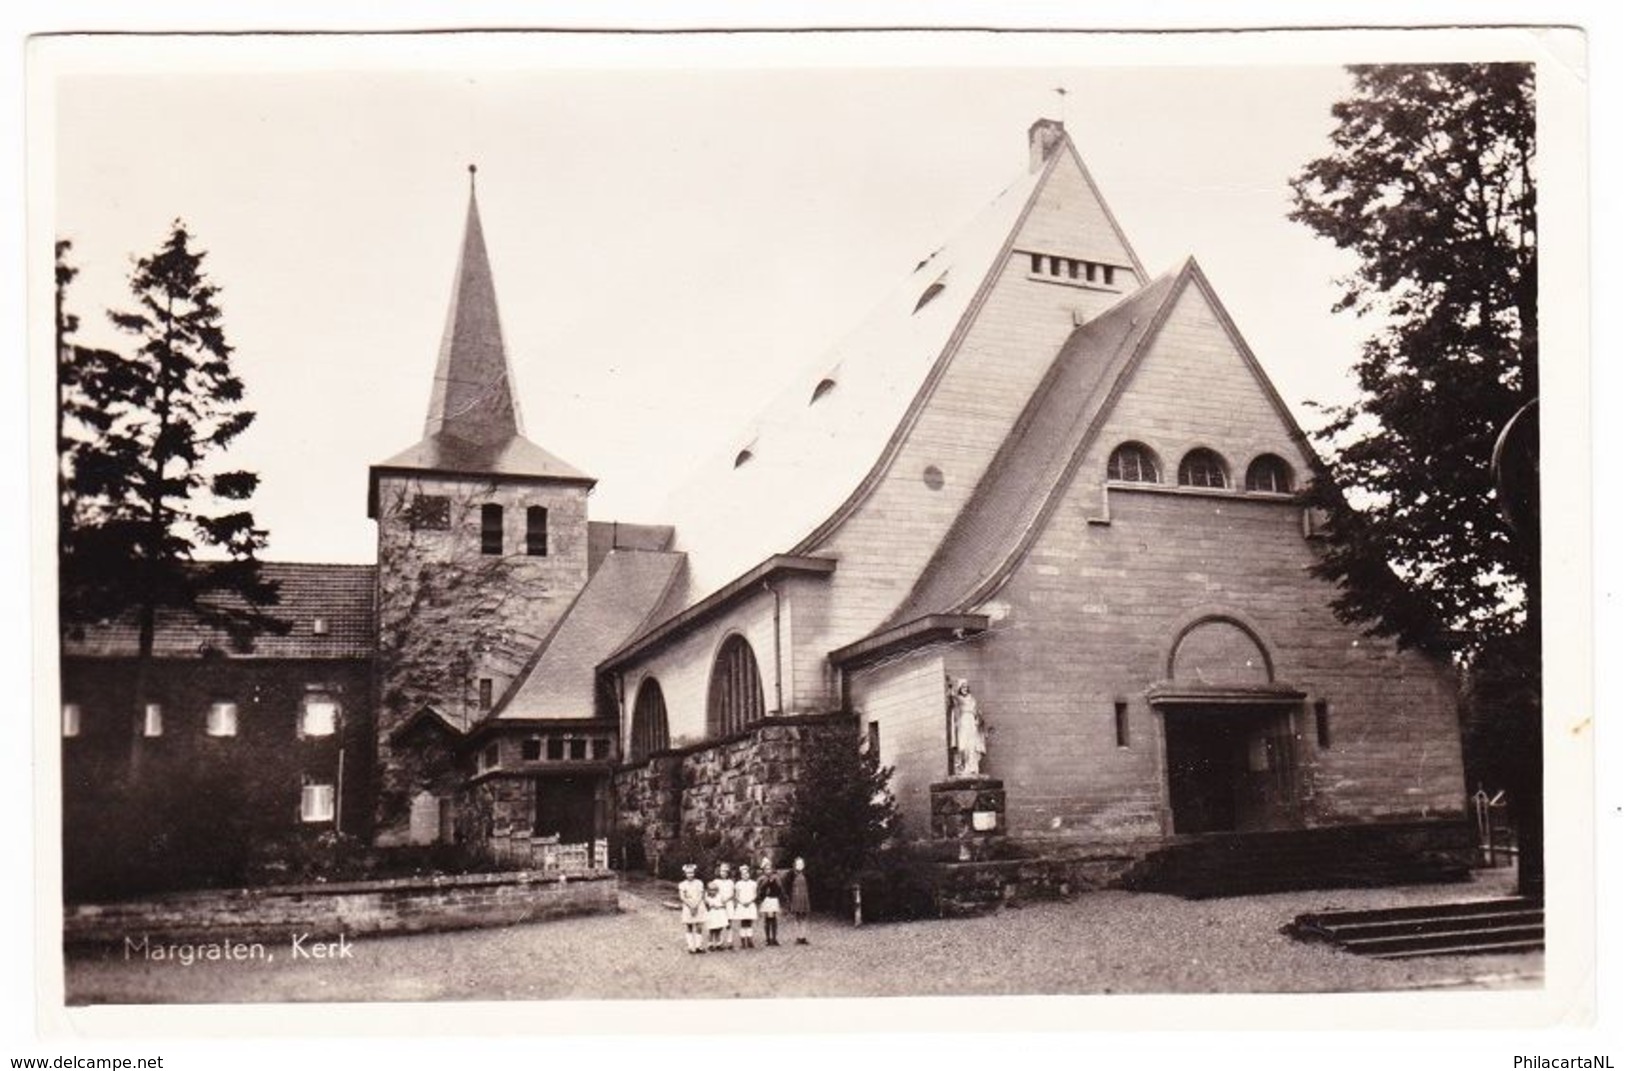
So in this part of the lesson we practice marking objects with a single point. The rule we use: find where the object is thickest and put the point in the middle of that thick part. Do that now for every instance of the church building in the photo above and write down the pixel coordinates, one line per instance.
(1037, 469)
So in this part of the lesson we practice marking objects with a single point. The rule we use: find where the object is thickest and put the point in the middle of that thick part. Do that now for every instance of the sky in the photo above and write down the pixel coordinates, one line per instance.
(672, 235)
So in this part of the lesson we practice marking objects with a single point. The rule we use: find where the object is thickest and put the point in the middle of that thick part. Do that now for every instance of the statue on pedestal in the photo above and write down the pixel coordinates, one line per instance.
(967, 737)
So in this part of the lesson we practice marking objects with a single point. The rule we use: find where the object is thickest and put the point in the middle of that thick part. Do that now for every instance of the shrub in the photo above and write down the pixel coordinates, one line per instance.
(901, 885)
(705, 851)
(844, 817)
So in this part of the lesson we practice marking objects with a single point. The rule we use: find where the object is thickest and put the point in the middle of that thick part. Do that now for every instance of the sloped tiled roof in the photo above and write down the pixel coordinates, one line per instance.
(512, 456)
(807, 455)
(1041, 451)
(616, 602)
(341, 595)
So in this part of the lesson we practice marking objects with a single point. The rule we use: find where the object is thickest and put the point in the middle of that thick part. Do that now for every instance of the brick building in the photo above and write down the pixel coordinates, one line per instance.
(1037, 467)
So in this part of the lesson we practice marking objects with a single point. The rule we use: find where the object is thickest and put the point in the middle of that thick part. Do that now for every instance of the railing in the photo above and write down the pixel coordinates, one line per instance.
(547, 854)
(1497, 842)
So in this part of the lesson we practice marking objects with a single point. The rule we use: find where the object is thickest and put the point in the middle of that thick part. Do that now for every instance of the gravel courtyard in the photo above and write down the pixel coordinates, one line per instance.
(1104, 942)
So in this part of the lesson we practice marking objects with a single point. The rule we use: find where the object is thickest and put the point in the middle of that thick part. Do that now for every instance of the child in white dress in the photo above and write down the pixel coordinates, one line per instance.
(691, 897)
(745, 907)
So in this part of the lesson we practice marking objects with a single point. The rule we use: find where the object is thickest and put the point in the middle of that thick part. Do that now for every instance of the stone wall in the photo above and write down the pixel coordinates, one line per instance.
(450, 616)
(412, 905)
(742, 787)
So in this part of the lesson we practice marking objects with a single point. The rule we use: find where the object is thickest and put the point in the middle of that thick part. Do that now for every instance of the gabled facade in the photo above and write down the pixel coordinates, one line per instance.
(1073, 486)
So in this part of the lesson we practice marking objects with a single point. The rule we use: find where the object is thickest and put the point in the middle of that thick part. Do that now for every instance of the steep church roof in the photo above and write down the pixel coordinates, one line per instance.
(1036, 463)
(810, 451)
(559, 680)
(1041, 450)
(330, 609)
(473, 426)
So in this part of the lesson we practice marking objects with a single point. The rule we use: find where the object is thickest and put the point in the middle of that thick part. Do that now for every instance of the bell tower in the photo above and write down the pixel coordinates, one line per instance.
(482, 545)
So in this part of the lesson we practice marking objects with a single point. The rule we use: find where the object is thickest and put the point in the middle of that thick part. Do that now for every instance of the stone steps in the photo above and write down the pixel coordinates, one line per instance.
(1465, 928)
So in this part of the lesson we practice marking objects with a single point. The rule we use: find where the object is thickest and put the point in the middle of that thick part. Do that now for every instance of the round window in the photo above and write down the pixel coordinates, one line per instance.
(933, 477)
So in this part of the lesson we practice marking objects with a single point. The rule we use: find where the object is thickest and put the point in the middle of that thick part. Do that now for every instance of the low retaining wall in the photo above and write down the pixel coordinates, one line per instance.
(404, 905)
(742, 787)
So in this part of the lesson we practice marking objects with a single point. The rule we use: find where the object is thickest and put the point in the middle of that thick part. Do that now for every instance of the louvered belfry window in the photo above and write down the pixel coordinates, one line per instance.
(649, 731)
(490, 529)
(736, 689)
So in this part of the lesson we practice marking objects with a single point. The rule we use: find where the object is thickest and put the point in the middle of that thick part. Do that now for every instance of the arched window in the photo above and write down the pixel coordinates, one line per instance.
(1269, 473)
(1135, 463)
(1203, 468)
(649, 732)
(736, 689)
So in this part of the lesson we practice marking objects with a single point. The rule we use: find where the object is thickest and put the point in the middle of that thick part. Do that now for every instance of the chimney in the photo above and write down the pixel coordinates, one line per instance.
(1043, 137)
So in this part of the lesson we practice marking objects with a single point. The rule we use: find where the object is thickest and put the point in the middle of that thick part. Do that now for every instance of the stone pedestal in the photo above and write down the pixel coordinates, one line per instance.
(967, 818)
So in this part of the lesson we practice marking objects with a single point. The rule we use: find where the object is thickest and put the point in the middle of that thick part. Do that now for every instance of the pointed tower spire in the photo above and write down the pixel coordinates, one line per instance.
(473, 428)
(473, 397)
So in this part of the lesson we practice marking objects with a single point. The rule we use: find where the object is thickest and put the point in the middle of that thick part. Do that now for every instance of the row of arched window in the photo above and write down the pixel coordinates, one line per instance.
(733, 701)
(1135, 462)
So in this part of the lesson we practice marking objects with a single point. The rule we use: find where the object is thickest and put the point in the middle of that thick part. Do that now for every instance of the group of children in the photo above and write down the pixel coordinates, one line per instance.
(728, 905)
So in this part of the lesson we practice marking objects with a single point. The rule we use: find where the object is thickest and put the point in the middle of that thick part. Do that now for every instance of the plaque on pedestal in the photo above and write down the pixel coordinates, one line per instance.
(967, 816)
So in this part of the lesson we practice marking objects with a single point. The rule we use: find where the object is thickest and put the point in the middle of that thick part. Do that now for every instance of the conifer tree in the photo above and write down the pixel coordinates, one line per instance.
(138, 432)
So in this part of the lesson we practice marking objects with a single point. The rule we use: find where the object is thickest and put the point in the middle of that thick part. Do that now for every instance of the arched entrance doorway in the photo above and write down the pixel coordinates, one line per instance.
(1228, 733)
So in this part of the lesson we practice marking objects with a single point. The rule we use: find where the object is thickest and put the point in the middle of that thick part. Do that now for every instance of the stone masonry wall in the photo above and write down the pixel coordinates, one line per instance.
(414, 905)
(450, 616)
(742, 787)
(1091, 616)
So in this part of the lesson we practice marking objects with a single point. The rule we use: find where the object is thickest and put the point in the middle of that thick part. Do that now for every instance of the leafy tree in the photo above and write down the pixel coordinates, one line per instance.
(137, 433)
(1430, 184)
(844, 815)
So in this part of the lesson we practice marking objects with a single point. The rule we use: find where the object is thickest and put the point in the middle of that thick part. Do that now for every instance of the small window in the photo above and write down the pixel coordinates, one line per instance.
(1037, 262)
(578, 749)
(222, 720)
(318, 626)
(430, 513)
(555, 748)
(490, 756)
(70, 719)
(485, 693)
(1106, 273)
(316, 803)
(1203, 468)
(490, 528)
(536, 531)
(1133, 463)
(742, 457)
(319, 716)
(1089, 267)
(152, 720)
(1120, 718)
(824, 387)
(874, 739)
(1269, 473)
(1323, 724)
(931, 292)
(1055, 266)
(1071, 269)
(531, 750)
(600, 748)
